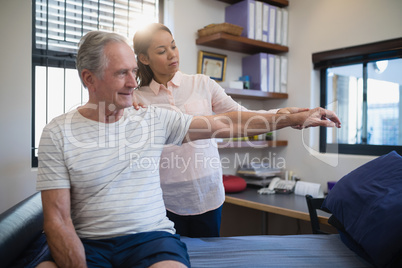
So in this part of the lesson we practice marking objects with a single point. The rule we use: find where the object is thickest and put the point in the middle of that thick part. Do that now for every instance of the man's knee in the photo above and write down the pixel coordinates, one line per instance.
(168, 264)
(47, 264)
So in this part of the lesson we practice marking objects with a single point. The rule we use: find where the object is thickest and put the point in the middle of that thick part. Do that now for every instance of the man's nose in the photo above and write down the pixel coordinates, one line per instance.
(132, 81)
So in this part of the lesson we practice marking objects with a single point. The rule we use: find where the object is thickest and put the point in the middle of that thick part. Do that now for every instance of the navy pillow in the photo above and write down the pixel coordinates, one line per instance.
(368, 203)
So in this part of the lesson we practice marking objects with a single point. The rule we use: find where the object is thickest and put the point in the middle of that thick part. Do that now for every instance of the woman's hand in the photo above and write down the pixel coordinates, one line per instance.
(137, 105)
(291, 110)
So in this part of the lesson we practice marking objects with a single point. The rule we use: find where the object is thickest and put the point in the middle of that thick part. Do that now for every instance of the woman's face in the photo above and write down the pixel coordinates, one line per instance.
(163, 56)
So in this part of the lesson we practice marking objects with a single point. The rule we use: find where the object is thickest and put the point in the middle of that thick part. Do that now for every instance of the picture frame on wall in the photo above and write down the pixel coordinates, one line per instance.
(212, 65)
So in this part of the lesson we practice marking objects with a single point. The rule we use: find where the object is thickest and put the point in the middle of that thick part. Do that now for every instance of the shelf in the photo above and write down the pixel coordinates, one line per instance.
(254, 94)
(239, 44)
(279, 3)
(251, 144)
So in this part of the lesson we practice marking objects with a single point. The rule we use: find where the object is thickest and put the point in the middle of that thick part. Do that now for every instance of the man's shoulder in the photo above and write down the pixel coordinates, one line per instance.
(144, 113)
(69, 122)
(61, 119)
(166, 112)
(163, 115)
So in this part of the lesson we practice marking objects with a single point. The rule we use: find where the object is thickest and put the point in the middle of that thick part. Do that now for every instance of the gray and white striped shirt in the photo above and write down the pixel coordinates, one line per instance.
(112, 170)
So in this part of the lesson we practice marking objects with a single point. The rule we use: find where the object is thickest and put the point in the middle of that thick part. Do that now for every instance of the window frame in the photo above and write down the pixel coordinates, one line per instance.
(64, 60)
(361, 54)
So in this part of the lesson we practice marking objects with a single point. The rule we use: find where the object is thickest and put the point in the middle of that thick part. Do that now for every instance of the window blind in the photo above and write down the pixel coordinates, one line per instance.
(59, 24)
(57, 27)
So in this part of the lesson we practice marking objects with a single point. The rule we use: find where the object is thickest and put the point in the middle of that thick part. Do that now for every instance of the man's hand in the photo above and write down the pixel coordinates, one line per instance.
(320, 117)
(292, 110)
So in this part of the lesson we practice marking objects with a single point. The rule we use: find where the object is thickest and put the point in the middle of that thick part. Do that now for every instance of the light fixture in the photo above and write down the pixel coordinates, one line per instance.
(380, 66)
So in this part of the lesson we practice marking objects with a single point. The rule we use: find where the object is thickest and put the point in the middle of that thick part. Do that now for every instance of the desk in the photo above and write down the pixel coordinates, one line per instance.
(290, 205)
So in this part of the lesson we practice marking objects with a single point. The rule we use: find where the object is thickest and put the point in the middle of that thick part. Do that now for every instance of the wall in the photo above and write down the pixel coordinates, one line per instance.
(314, 25)
(17, 180)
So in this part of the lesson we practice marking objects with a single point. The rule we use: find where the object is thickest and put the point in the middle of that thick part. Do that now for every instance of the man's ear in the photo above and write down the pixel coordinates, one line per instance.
(89, 79)
(143, 59)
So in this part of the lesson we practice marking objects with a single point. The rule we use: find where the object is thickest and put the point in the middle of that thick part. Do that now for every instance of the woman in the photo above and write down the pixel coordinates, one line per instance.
(191, 174)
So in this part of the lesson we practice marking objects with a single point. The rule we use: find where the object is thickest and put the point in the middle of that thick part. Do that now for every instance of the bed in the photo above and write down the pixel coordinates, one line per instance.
(365, 204)
(22, 243)
(272, 251)
(366, 210)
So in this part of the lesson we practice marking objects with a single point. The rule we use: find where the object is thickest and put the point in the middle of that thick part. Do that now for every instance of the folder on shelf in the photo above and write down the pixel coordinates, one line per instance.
(265, 22)
(271, 73)
(272, 24)
(258, 20)
(256, 67)
(285, 18)
(277, 86)
(242, 14)
(278, 30)
(284, 74)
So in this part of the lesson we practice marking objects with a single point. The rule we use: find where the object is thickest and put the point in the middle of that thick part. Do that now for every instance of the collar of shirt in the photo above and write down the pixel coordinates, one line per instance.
(156, 87)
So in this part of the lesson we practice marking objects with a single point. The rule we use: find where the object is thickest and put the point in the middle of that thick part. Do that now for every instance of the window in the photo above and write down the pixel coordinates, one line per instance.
(57, 28)
(363, 84)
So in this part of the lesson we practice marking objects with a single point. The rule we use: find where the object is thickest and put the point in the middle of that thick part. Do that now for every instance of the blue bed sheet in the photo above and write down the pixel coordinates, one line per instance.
(272, 251)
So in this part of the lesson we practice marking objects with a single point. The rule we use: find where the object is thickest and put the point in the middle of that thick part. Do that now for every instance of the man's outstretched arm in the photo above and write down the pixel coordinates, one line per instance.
(240, 124)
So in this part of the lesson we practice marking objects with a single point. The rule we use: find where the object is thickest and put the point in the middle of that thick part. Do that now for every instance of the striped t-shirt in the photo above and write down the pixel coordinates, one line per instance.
(112, 170)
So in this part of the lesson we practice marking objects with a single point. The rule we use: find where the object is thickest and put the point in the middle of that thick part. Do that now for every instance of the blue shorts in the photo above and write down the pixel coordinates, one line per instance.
(136, 250)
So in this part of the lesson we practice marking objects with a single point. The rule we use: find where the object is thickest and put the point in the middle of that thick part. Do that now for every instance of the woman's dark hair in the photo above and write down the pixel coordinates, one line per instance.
(142, 41)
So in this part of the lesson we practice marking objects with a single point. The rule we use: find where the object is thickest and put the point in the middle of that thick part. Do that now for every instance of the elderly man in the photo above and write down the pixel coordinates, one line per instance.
(99, 164)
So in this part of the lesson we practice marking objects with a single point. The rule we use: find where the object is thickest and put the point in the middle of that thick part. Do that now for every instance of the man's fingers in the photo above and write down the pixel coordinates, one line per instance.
(322, 117)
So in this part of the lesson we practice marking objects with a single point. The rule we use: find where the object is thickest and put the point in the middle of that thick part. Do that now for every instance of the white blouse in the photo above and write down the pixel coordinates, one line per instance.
(191, 174)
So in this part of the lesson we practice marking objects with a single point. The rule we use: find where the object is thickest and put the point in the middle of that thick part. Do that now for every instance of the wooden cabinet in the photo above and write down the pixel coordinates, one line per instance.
(248, 46)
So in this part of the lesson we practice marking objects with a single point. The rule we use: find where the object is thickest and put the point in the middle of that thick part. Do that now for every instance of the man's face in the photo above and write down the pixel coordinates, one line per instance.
(116, 86)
